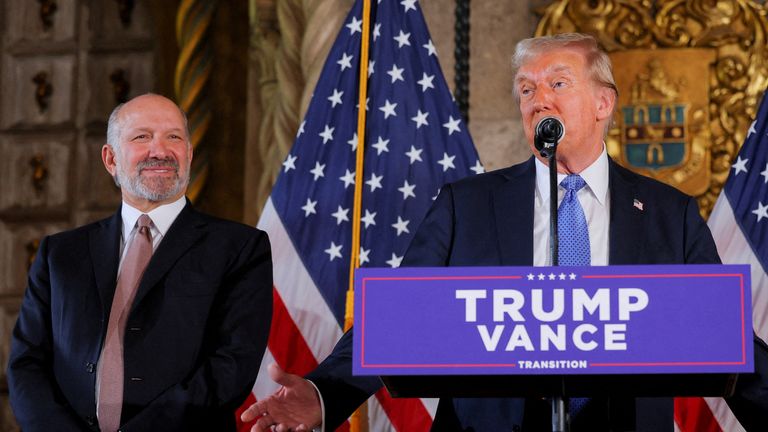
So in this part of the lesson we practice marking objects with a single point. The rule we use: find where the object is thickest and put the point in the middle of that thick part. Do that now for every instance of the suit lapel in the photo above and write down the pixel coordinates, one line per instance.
(627, 227)
(105, 255)
(513, 209)
(183, 233)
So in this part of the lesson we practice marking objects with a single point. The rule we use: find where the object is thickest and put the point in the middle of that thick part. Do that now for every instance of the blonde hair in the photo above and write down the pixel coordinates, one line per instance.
(598, 62)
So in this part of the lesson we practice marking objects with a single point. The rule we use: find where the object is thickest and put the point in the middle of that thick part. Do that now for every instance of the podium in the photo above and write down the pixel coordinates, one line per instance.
(630, 331)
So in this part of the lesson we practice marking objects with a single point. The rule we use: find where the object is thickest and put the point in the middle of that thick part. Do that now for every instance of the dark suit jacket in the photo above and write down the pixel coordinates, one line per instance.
(194, 339)
(487, 220)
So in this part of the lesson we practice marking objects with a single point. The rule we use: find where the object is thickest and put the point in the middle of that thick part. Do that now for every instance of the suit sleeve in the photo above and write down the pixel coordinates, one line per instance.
(342, 393)
(35, 397)
(239, 328)
(699, 245)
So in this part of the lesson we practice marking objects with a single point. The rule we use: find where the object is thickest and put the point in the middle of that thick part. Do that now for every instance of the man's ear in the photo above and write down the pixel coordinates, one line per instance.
(606, 102)
(109, 158)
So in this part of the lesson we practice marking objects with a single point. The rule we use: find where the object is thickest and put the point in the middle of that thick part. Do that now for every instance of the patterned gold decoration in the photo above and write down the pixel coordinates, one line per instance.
(733, 30)
(193, 70)
(289, 60)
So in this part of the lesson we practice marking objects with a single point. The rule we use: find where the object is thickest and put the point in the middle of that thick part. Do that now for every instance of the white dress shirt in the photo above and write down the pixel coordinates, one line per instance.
(595, 201)
(162, 219)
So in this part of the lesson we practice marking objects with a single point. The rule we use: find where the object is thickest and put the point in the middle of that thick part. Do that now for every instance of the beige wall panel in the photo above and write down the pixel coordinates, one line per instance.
(9, 311)
(106, 24)
(97, 189)
(7, 422)
(19, 106)
(17, 171)
(495, 28)
(137, 71)
(24, 24)
(16, 250)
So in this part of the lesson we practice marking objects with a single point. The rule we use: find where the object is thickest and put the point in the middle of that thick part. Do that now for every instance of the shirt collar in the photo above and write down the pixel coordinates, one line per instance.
(162, 216)
(595, 175)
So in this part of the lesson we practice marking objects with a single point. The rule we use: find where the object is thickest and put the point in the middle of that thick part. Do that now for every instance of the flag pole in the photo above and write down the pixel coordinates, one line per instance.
(354, 261)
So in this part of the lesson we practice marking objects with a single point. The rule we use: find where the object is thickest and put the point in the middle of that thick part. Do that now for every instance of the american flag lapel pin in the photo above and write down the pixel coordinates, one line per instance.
(637, 204)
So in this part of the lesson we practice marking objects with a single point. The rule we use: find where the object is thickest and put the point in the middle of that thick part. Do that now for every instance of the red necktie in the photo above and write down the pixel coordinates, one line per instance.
(111, 371)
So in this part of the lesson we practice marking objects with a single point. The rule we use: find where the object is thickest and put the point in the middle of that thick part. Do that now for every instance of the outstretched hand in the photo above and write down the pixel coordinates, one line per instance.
(295, 406)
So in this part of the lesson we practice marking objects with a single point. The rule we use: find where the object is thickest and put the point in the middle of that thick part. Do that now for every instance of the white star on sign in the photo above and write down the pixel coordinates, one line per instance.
(374, 182)
(327, 134)
(301, 129)
(572, 276)
(290, 163)
(348, 179)
(478, 168)
(761, 211)
(447, 162)
(530, 276)
(364, 255)
(430, 48)
(421, 119)
(388, 109)
(396, 73)
(309, 207)
(345, 62)
(740, 165)
(353, 142)
(318, 170)
(452, 125)
(541, 276)
(402, 39)
(381, 146)
(407, 190)
(335, 98)
(562, 276)
(552, 276)
(369, 218)
(401, 226)
(408, 4)
(765, 173)
(341, 215)
(355, 26)
(414, 154)
(426, 82)
(334, 251)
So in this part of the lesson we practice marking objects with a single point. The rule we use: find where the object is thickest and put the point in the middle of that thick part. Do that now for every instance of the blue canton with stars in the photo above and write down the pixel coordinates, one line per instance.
(747, 186)
(415, 143)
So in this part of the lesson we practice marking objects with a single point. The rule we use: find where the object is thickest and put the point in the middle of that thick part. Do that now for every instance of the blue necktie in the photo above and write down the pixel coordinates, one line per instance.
(574, 248)
(572, 227)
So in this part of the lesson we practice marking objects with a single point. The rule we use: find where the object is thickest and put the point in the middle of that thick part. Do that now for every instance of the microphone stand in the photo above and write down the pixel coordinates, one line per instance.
(560, 421)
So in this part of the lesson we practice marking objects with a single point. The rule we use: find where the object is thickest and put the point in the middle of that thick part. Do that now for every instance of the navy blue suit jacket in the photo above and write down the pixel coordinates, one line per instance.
(487, 220)
(194, 339)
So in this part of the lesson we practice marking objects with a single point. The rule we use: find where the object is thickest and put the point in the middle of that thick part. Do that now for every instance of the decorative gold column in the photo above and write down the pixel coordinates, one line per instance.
(193, 70)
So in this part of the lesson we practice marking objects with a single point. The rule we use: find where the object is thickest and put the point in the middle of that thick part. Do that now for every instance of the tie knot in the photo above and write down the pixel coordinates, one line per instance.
(144, 221)
(573, 182)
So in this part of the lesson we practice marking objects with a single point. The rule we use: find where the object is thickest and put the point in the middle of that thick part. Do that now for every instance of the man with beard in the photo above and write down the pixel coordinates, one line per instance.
(153, 319)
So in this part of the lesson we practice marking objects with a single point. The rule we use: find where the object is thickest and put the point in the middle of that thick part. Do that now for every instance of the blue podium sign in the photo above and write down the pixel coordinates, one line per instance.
(553, 320)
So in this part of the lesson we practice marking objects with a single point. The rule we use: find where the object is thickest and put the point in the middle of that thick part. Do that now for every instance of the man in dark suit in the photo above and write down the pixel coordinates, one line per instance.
(153, 319)
(502, 219)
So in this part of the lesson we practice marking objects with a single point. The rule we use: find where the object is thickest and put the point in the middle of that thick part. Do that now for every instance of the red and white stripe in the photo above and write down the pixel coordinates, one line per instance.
(304, 331)
(713, 414)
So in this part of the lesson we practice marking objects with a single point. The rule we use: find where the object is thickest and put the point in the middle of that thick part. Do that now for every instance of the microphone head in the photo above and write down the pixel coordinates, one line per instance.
(550, 130)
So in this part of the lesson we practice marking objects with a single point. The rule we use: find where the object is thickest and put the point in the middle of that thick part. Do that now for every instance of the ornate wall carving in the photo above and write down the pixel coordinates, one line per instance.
(734, 31)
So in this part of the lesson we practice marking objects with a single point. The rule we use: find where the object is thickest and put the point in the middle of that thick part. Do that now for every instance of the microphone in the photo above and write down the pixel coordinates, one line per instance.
(549, 131)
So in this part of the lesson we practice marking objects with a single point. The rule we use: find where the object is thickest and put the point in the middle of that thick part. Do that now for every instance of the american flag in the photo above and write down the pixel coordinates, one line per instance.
(739, 224)
(415, 142)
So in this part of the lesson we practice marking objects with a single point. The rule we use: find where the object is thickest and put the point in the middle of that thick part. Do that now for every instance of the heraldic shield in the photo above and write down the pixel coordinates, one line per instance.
(663, 116)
